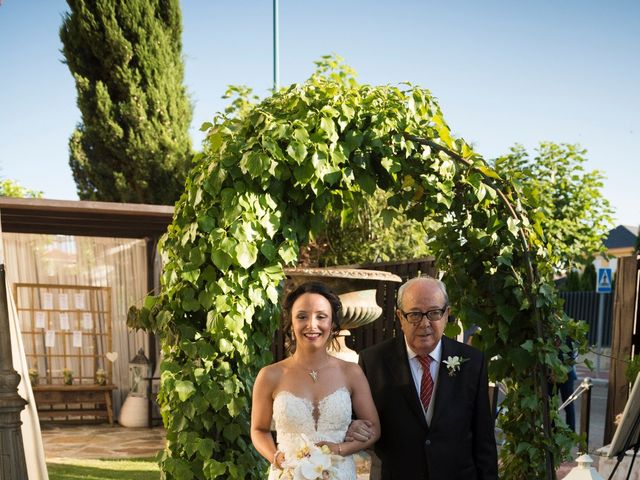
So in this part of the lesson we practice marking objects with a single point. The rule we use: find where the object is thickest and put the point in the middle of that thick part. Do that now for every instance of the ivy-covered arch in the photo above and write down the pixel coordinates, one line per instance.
(271, 172)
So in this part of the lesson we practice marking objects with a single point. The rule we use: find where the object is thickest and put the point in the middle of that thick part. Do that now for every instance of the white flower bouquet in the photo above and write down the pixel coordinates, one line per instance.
(307, 461)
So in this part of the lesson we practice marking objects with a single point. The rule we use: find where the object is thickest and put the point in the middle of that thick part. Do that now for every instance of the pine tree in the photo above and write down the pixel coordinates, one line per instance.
(133, 143)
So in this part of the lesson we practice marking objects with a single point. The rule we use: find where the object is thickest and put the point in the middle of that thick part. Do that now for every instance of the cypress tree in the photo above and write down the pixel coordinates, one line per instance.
(126, 57)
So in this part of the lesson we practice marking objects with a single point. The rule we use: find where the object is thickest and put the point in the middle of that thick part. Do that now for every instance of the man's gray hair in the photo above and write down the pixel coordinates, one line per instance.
(439, 283)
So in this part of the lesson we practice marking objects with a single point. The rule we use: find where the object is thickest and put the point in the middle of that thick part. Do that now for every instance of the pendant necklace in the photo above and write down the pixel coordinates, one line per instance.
(315, 372)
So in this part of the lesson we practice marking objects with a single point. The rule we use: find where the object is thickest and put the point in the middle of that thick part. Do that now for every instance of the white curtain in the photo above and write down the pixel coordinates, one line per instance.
(117, 263)
(31, 435)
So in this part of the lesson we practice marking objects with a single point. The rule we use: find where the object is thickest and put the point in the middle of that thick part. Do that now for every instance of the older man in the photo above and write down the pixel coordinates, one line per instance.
(431, 393)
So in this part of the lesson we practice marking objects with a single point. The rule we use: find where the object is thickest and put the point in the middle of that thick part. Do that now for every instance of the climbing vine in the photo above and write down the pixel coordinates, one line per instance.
(260, 192)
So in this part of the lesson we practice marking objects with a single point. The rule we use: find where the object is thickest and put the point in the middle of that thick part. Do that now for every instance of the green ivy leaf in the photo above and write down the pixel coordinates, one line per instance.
(184, 389)
(298, 151)
(246, 253)
(213, 468)
(288, 253)
(225, 346)
(231, 432)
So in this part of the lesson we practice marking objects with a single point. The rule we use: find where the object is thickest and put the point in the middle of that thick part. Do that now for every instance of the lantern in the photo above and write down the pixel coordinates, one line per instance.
(584, 470)
(139, 374)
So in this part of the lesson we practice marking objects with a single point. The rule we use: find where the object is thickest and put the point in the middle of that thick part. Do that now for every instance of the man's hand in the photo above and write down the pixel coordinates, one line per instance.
(359, 431)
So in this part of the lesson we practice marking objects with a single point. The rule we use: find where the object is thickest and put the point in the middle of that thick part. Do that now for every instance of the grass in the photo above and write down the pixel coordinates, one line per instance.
(89, 469)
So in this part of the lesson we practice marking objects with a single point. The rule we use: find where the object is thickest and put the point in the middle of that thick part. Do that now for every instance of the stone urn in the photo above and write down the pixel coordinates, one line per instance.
(359, 308)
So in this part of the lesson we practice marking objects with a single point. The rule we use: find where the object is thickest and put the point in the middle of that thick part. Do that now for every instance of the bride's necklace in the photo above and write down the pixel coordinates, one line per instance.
(315, 372)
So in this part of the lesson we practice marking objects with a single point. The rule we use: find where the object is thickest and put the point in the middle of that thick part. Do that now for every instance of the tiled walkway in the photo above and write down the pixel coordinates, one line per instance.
(101, 441)
(104, 441)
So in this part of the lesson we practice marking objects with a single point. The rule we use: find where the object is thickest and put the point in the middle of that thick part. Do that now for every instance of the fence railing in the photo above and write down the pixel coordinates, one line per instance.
(584, 306)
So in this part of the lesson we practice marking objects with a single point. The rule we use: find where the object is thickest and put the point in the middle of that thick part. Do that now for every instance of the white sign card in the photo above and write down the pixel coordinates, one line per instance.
(64, 321)
(50, 338)
(87, 321)
(78, 300)
(63, 301)
(40, 319)
(77, 339)
(47, 300)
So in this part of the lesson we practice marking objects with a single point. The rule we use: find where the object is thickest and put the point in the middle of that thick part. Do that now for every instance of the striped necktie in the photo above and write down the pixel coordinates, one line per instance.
(426, 384)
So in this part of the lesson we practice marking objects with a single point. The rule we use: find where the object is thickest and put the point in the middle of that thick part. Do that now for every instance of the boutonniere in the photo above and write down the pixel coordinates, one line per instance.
(453, 364)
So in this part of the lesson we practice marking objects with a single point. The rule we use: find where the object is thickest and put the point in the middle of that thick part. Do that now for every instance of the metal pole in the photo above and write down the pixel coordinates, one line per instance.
(585, 411)
(12, 461)
(276, 48)
(599, 331)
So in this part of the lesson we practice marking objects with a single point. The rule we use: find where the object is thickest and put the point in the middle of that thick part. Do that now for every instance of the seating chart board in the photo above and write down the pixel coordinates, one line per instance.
(65, 329)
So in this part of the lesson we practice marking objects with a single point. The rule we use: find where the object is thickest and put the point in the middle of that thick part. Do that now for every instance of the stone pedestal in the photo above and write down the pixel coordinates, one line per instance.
(343, 352)
(12, 461)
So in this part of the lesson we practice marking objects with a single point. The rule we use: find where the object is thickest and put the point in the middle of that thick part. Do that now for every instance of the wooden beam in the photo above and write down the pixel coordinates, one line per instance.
(84, 218)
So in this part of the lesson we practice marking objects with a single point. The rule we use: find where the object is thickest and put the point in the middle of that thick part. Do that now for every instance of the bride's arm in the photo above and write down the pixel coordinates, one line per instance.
(261, 414)
(364, 408)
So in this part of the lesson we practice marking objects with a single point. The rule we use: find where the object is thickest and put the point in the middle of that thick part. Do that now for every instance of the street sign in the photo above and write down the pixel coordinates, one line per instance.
(604, 280)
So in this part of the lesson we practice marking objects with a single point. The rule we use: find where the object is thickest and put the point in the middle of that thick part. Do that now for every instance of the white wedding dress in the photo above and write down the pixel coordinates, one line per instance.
(327, 420)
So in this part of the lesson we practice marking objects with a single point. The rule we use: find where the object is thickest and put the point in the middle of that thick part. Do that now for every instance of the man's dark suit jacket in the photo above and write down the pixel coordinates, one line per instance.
(459, 444)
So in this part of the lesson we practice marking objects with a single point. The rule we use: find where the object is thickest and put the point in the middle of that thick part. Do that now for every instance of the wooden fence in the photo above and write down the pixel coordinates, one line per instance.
(626, 321)
(584, 306)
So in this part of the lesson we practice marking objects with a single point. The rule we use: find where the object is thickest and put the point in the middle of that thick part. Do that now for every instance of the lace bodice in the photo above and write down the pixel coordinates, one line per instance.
(326, 420)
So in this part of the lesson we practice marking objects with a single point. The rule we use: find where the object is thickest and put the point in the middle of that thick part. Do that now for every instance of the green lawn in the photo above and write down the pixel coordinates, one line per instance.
(80, 469)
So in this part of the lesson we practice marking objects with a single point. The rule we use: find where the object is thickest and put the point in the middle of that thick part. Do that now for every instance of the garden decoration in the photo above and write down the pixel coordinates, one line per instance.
(67, 376)
(101, 376)
(270, 172)
(34, 375)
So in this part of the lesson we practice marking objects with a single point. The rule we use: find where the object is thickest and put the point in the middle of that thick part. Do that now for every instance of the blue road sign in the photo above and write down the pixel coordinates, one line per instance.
(604, 280)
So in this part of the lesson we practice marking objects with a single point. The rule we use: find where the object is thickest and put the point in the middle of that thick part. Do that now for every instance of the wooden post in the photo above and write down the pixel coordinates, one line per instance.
(621, 340)
(152, 244)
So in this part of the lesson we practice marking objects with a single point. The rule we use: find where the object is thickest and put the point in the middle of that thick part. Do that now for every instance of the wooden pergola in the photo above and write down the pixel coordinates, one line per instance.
(91, 219)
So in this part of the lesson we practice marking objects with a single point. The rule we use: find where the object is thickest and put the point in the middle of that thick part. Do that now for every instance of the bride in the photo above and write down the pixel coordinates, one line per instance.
(310, 396)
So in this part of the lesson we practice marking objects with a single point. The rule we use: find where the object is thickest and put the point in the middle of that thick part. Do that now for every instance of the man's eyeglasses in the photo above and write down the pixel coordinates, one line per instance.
(414, 318)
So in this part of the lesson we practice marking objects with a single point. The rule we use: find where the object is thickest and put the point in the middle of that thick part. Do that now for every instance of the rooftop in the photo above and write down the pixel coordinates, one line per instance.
(85, 218)
(622, 236)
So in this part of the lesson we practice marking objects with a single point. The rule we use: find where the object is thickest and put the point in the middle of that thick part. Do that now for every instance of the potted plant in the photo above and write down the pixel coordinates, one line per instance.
(68, 376)
(101, 376)
(33, 376)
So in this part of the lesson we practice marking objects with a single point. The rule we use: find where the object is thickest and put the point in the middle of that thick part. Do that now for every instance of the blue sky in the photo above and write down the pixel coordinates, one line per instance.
(503, 72)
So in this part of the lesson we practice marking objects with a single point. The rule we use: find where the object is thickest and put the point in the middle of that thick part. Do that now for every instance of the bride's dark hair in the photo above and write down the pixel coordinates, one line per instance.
(320, 289)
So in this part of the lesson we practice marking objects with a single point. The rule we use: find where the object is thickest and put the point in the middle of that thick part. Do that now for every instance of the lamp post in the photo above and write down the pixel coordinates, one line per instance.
(12, 461)
(276, 47)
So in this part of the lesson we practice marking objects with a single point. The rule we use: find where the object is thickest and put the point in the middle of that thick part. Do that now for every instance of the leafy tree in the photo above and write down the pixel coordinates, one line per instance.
(264, 187)
(588, 278)
(571, 282)
(577, 281)
(368, 232)
(565, 201)
(10, 188)
(133, 143)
